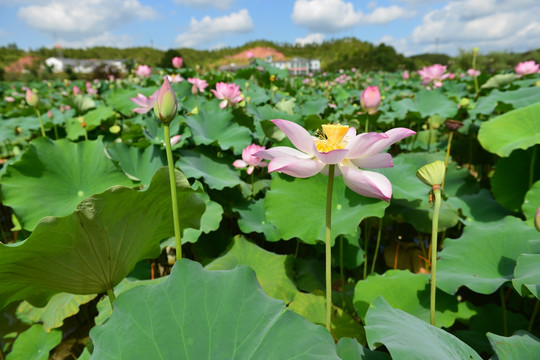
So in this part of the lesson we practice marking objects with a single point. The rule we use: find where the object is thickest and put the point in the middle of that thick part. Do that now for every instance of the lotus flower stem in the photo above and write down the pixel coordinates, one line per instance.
(475, 52)
(40, 123)
(505, 315)
(110, 293)
(533, 315)
(172, 180)
(531, 168)
(434, 230)
(379, 231)
(328, 245)
(447, 156)
(342, 272)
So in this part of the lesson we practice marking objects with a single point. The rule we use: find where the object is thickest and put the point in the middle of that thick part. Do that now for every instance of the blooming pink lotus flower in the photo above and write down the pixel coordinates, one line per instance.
(143, 71)
(370, 99)
(76, 90)
(229, 93)
(433, 74)
(175, 78)
(145, 103)
(249, 159)
(338, 144)
(526, 68)
(473, 73)
(177, 62)
(198, 85)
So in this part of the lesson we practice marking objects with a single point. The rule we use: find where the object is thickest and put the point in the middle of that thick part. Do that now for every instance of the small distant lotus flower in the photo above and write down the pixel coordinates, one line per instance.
(9, 99)
(177, 62)
(434, 74)
(31, 98)
(370, 99)
(337, 144)
(145, 103)
(451, 76)
(166, 105)
(143, 71)
(405, 75)
(473, 72)
(229, 93)
(76, 90)
(526, 68)
(249, 159)
(175, 139)
(306, 81)
(250, 55)
(175, 78)
(198, 85)
(50, 114)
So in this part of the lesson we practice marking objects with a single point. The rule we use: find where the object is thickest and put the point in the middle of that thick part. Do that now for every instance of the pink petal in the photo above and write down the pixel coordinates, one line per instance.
(394, 135)
(297, 134)
(223, 104)
(281, 151)
(250, 170)
(301, 168)
(377, 161)
(361, 144)
(350, 133)
(367, 183)
(239, 164)
(331, 157)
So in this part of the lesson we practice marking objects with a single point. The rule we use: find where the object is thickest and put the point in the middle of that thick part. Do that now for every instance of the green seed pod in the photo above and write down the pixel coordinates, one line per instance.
(432, 173)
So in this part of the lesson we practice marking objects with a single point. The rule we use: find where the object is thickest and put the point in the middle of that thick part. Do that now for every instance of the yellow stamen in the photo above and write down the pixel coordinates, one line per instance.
(331, 137)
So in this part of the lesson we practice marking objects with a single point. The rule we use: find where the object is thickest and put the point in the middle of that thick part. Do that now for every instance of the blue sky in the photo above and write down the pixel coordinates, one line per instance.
(411, 26)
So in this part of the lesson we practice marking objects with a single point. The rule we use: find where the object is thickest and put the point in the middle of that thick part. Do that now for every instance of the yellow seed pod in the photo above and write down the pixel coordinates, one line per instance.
(432, 173)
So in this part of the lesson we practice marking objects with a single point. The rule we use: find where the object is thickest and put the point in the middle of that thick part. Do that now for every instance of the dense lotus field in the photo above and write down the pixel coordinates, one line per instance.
(88, 260)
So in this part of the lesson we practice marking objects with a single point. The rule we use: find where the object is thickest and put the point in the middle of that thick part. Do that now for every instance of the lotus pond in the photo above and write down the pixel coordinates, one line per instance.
(276, 262)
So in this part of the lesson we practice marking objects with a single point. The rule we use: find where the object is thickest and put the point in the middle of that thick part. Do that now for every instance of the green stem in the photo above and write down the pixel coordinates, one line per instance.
(55, 131)
(85, 134)
(447, 156)
(110, 293)
(474, 75)
(40, 123)
(367, 123)
(172, 180)
(533, 316)
(342, 272)
(366, 240)
(531, 167)
(434, 231)
(377, 246)
(328, 245)
(505, 315)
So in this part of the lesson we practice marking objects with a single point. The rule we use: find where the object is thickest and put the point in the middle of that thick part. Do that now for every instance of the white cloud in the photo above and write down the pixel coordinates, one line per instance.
(211, 29)
(331, 16)
(371, 5)
(104, 39)
(219, 4)
(401, 45)
(316, 38)
(83, 19)
(487, 24)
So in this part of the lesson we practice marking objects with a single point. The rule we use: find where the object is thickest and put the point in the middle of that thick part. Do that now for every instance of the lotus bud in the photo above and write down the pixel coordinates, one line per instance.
(177, 62)
(537, 219)
(166, 105)
(31, 98)
(432, 174)
(175, 139)
(370, 99)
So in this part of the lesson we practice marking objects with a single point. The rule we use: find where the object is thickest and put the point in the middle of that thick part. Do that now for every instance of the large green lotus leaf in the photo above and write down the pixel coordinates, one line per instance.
(510, 182)
(34, 344)
(520, 346)
(434, 102)
(419, 214)
(256, 94)
(516, 129)
(267, 112)
(313, 308)
(527, 271)
(297, 207)
(96, 246)
(59, 307)
(531, 203)
(52, 177)
(138, 164)
(406, 291)
(83, 103)
(498, 80)
(316, 105)
(153, 131)
(253, 219)
(517, 98)
(409, 338)
(273, 271)
(350, 349)
(93, 118)
(204, 314)
(214, 172)
(479, 207)
(209, 221)
(215, 125)
(484, 257)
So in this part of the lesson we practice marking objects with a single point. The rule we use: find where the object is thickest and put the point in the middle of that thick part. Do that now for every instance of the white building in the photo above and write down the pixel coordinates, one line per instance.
(297, 65)
(83, 66)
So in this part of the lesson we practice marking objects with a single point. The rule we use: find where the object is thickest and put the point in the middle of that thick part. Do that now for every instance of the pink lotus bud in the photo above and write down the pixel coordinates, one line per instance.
(250, 55)
(405, 75)
(68, 107)
(9, 99)
(177, 62)
(76, 90)
(175, 139)
(166, 105)
(50, 114)
(370, 99)
(31, 98)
